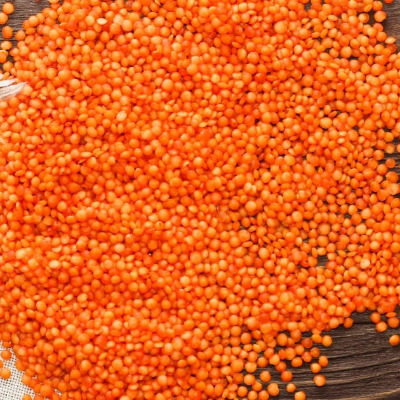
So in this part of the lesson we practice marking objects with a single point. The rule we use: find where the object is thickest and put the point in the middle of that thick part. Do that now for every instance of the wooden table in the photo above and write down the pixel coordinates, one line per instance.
(363, 366)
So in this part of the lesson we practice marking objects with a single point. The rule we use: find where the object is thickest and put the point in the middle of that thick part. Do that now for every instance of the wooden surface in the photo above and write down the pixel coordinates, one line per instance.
(363, 366)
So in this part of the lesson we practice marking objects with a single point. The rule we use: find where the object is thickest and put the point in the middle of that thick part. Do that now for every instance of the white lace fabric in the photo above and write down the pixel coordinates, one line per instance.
(13, 388)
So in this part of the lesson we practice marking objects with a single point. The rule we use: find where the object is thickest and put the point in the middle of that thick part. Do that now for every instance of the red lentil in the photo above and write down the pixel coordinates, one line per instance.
(5, 355)
(265, 376)
(315, 368)
(5, 373)
(3, 18)
(394, 340)
(300, 396)
(319, 380)
(8, 8)
(273, 389)
(7, 32)
(323, 361)
(290, 387)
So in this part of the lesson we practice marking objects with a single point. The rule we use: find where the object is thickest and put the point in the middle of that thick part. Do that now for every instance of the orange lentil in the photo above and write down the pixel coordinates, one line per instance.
(290, 387)
(297, 362)
(348, 323)
(237, 365)
(265, 376)
(3, 18)
(381, 326)
(281, 27)
(8, 8)
(6, 45)
(326, 341)
(319, 380)
(273, 389)
(393, 322)
(249, 379)
(242, 391)
(286, 376)
(375, 317)
(257, 386)
(7, 32)
(380, 16)
(5, 355)
(5, 373)
(323, 361)
(394, 340)
(300, 396)
(315, 368)
(263, 395)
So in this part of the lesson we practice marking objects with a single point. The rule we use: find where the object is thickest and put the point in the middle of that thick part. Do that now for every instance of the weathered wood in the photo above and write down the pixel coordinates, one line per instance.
(392, 23)
(363, 366)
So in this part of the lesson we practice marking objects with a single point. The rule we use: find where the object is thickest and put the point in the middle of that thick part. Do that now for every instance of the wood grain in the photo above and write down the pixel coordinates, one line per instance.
(363, 366)
(392, 23)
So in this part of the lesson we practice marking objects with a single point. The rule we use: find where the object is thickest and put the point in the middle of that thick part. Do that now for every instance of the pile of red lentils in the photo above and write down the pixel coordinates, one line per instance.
(172, 178)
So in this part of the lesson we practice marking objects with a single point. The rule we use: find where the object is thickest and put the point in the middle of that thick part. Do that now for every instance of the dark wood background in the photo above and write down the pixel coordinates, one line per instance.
(363, 366)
